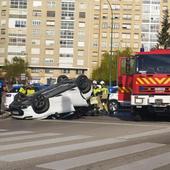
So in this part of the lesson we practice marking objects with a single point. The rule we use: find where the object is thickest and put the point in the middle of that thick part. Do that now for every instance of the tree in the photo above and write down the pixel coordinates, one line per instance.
(14, 69)
(102, 72)
(163, 35)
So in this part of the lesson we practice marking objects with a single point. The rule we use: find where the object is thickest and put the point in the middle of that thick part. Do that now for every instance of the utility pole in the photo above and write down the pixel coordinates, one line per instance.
(111, 45)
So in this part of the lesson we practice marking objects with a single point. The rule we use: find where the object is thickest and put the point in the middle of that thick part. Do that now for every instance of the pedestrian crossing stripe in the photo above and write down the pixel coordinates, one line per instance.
(29, 136)
(99, 156)
(148, 163)
(42, 142)
(58, 149)
(15, 133)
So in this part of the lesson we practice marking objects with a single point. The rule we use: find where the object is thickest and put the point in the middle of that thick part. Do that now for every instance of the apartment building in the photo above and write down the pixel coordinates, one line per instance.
(69, 36)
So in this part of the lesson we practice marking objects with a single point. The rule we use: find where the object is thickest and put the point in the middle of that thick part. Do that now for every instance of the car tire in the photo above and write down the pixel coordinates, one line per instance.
(83, 83)
(19, 97)
(40, 103)
(113, 107)
(62, 78)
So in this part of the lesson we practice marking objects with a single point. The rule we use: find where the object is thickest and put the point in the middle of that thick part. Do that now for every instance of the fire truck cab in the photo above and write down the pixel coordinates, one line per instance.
(144, 82)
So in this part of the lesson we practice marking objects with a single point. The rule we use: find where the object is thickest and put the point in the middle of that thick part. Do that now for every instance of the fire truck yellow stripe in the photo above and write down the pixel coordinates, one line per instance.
(152, 80)
(160, 81)
(146, 81)
(125, 89)
(140, 81)
(167, 81)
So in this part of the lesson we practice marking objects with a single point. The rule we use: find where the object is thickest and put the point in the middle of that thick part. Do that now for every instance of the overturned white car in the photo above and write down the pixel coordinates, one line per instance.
(66, 98)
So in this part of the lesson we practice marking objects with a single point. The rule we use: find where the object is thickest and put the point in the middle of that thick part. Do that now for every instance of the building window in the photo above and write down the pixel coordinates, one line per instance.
(68, 6)
(79, 71)
(51, 4)
(82, 15)
(66, 43)
(49, 42)
(66, 34)
(17, 41)
(66, 55)
(3, 31)
(50, 13)
(65, 71)
(50, 32)
(48, 61)
(18, 4)
(35, 42)
(35, 60)
(37, 3)
(125, 36)
(67, 25)
(20, 23)
(50, 23)
(36, 32)
(36, 22)
(37, 13)
(47, 71)
(3, 13)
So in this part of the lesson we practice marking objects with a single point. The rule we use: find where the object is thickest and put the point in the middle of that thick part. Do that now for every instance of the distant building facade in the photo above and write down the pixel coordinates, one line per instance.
(69, 36)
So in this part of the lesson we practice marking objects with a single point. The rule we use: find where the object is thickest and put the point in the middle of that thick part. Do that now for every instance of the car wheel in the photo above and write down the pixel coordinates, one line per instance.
(19, 97)
(83, 83)
(62, 78)
(40, 103)
(113, 107)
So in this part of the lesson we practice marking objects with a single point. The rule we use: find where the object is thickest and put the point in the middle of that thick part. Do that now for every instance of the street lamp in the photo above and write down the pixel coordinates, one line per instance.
(111, 45)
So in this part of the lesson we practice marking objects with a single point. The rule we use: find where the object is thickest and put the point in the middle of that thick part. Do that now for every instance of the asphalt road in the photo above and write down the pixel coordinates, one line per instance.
(89, 143)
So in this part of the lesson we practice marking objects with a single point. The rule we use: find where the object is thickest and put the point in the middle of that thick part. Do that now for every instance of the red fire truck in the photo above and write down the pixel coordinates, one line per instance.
(144, 82)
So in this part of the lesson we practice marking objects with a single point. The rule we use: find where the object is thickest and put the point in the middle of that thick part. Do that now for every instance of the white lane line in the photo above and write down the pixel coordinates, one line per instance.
(149, 133)
(42, 142)
(148, 163)
(14, 133)
(99, 156)
(2, 130)
(58, 149)
(108, 123)
(34, 136)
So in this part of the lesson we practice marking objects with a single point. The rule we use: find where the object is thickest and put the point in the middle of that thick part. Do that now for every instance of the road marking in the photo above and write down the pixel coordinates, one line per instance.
(42, 142)
(2, 130)
(144, 134)
(148, 163)
(99, 156)
(16, 138)
(108, 123)
(14, 133)
(58, 149)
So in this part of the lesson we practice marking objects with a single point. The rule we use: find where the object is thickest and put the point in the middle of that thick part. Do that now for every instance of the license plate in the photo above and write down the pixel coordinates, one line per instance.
(158, 101)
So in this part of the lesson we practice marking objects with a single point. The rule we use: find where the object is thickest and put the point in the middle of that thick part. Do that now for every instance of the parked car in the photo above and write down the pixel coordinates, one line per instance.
(63, 99)
(113, 104)
(9, 96)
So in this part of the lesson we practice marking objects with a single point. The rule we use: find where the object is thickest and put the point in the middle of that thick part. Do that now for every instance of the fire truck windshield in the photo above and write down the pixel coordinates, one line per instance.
(152, 63)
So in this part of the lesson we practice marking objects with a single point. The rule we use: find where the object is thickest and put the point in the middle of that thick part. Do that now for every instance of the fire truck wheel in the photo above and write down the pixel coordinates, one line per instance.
(62, 78)
(113, 107)
(83, 83)
(40, 103)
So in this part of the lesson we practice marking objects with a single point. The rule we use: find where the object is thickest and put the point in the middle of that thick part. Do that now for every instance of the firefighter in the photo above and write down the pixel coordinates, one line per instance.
(96, 89)
(23, 90)
(30, 90)
(104, 96)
